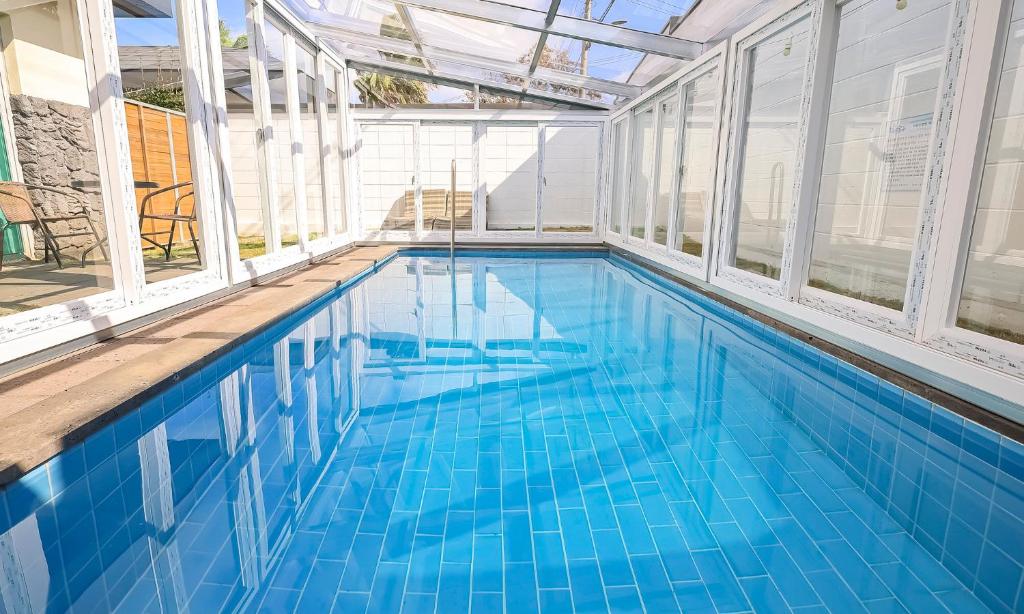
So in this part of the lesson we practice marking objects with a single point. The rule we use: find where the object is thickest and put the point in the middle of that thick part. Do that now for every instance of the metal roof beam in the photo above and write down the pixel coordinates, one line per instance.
(414, 34)
(397, 46)
(563, 25)
(543, 41)
(468, 83)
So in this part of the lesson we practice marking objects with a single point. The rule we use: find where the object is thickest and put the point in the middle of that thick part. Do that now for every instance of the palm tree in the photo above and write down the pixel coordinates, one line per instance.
(386, 90)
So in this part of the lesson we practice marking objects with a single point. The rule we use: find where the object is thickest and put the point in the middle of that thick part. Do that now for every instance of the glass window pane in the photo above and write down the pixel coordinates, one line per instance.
(508, 169)
(439, 145)
(570, 178)
(388, 181)
(151, 57)
(668, 111)
(876, 148)
(377, 90)
(281, 143)
(992, 299)
(698, 162)
(335, 128)
(55, 144)
(619, 153)
(316, 214)
(241, 118)
(645, 15)
(579, 57)
(480, 39)
(774, 88)
(642, 168)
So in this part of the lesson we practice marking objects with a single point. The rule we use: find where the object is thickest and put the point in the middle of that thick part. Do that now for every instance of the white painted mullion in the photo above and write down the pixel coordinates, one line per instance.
(113, 149)
(600, 178)
(970, 128)
(266, 139)
(712, 213)
(417, 173)
(939, 155)
(541, 180)
(652, 181)
(291, 79)
(203, 151)
(818, 92)
(627, 179)
(328, 137)
(477, 205)
(677, 166)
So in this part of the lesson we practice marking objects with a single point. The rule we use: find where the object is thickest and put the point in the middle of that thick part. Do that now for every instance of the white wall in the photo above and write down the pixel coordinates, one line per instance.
(570, 171)
(508, 170)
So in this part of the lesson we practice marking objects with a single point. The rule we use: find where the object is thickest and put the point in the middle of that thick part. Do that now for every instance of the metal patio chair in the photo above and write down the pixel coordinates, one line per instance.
(175, 217)
(18, 209)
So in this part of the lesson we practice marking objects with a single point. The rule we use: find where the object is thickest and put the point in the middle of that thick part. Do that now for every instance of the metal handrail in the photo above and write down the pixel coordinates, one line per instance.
(451, 246)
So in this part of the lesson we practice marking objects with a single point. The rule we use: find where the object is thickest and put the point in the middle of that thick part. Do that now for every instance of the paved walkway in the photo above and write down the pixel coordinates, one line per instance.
(55, 405)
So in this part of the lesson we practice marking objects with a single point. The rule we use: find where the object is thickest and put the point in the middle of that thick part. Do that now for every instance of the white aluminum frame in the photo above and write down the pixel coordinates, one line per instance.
(900, 323)
(713, 60)
(968, 364)
(611, 196)
(985, 45)
(480, 119)
(744, 41)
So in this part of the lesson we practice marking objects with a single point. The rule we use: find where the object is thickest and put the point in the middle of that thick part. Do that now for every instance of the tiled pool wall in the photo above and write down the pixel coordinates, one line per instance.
(86, 514)
(956, 486)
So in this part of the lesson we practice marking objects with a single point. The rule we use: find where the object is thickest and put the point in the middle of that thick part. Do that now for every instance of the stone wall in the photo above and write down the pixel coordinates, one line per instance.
(56, 146)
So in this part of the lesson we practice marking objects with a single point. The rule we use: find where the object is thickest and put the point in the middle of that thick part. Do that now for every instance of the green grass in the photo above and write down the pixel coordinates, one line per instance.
(891, 303)
(991, 331)
(761, 268)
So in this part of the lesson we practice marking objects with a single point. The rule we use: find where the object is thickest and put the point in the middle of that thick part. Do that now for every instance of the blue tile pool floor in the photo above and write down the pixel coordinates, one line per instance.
(564, 436)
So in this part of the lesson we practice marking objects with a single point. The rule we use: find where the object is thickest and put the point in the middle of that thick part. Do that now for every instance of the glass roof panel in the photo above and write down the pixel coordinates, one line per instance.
(584, 94)
(592, 59)
(643, 15)
(379, 17)
(482, 39)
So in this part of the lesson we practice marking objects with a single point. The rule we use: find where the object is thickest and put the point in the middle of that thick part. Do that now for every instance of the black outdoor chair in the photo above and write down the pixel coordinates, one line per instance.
(18, 208)
(177, 216)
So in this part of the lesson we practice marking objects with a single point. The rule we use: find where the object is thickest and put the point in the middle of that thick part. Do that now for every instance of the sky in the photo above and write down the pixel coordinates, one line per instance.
(484, 40)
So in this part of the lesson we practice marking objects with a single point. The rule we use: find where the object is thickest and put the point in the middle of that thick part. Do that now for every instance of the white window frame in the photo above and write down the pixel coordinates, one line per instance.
(984, 51)
(481, 119)
(723, 273)
(594, 214)
(507, 235)
(131, 297)
(715, 59)
(613, 199)
(900, 323)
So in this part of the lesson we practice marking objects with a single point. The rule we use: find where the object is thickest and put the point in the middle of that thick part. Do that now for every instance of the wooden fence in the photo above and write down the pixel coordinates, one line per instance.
(159, 146)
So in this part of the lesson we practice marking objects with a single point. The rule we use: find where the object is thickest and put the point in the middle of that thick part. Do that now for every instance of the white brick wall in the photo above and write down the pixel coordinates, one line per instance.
(387, 167)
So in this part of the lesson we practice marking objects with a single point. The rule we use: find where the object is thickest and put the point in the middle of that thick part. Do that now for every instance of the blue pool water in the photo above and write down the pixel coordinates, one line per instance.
(568, 434)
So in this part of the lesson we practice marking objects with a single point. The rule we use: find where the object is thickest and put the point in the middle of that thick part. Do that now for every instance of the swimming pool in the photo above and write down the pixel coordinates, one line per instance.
(568, 433)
